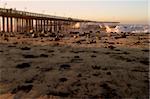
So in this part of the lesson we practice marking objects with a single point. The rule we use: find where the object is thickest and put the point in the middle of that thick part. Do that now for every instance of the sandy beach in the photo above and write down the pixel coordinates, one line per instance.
(115, 67)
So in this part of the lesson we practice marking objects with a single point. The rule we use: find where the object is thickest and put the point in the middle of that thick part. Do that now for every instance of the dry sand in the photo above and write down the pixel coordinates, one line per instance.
(35, 68)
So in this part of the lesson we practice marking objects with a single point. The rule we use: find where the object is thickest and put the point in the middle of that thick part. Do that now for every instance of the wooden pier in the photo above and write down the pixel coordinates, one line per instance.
(21, 21)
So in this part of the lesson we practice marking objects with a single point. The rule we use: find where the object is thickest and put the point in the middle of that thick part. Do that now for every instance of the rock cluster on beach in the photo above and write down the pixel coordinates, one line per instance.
(74, 65)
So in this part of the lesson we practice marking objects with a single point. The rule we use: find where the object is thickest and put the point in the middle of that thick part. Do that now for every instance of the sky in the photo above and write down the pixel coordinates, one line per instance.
(123, 11)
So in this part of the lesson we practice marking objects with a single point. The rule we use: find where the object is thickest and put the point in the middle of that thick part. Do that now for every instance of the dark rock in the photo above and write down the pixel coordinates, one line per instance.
(63, 79)
(76, 60)
(139, 70)
(76, 57)
(74, 32)
(104, 85)
(123, 36)
(29, 81)
(93, 55)
(15, 43)
(145, 50)
(11, 46)
(23, 65)
(111, 47)
(108, 92)
(50, 51)
(104, 68)
(129, 85)
(79, 75)
(56, 39)
(6, 39)
(55, 44)
(117, 37)
(138, 42)
(117, 49)
(79, 42)
(25, 88)
(145, 62)
(107, 53)
(125, 52)
(25, 48)
(58, 93)
(95, 51)
(29, 56)
(96, 67)
(96, 74)
(108, 73)
(111, 43)
(65, 66)
(93, 41)
(46, 69)
(43, 55)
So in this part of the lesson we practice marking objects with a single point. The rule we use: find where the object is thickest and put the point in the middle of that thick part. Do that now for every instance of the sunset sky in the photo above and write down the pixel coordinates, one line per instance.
(124, 11)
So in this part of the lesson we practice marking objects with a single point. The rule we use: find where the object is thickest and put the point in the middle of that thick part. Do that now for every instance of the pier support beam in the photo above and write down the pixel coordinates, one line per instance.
(32, 24)
(11, 24)
(55, 26)
(22, 25)
(3, 22)
(44, 25)
(41, 25)
(47, 25)
(36, 25)
(7, 24)
(17, 24)
(26, 25)
(50, 25)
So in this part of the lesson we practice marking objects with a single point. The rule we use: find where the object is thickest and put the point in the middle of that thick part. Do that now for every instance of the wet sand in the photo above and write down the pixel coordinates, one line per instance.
(110, 68)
